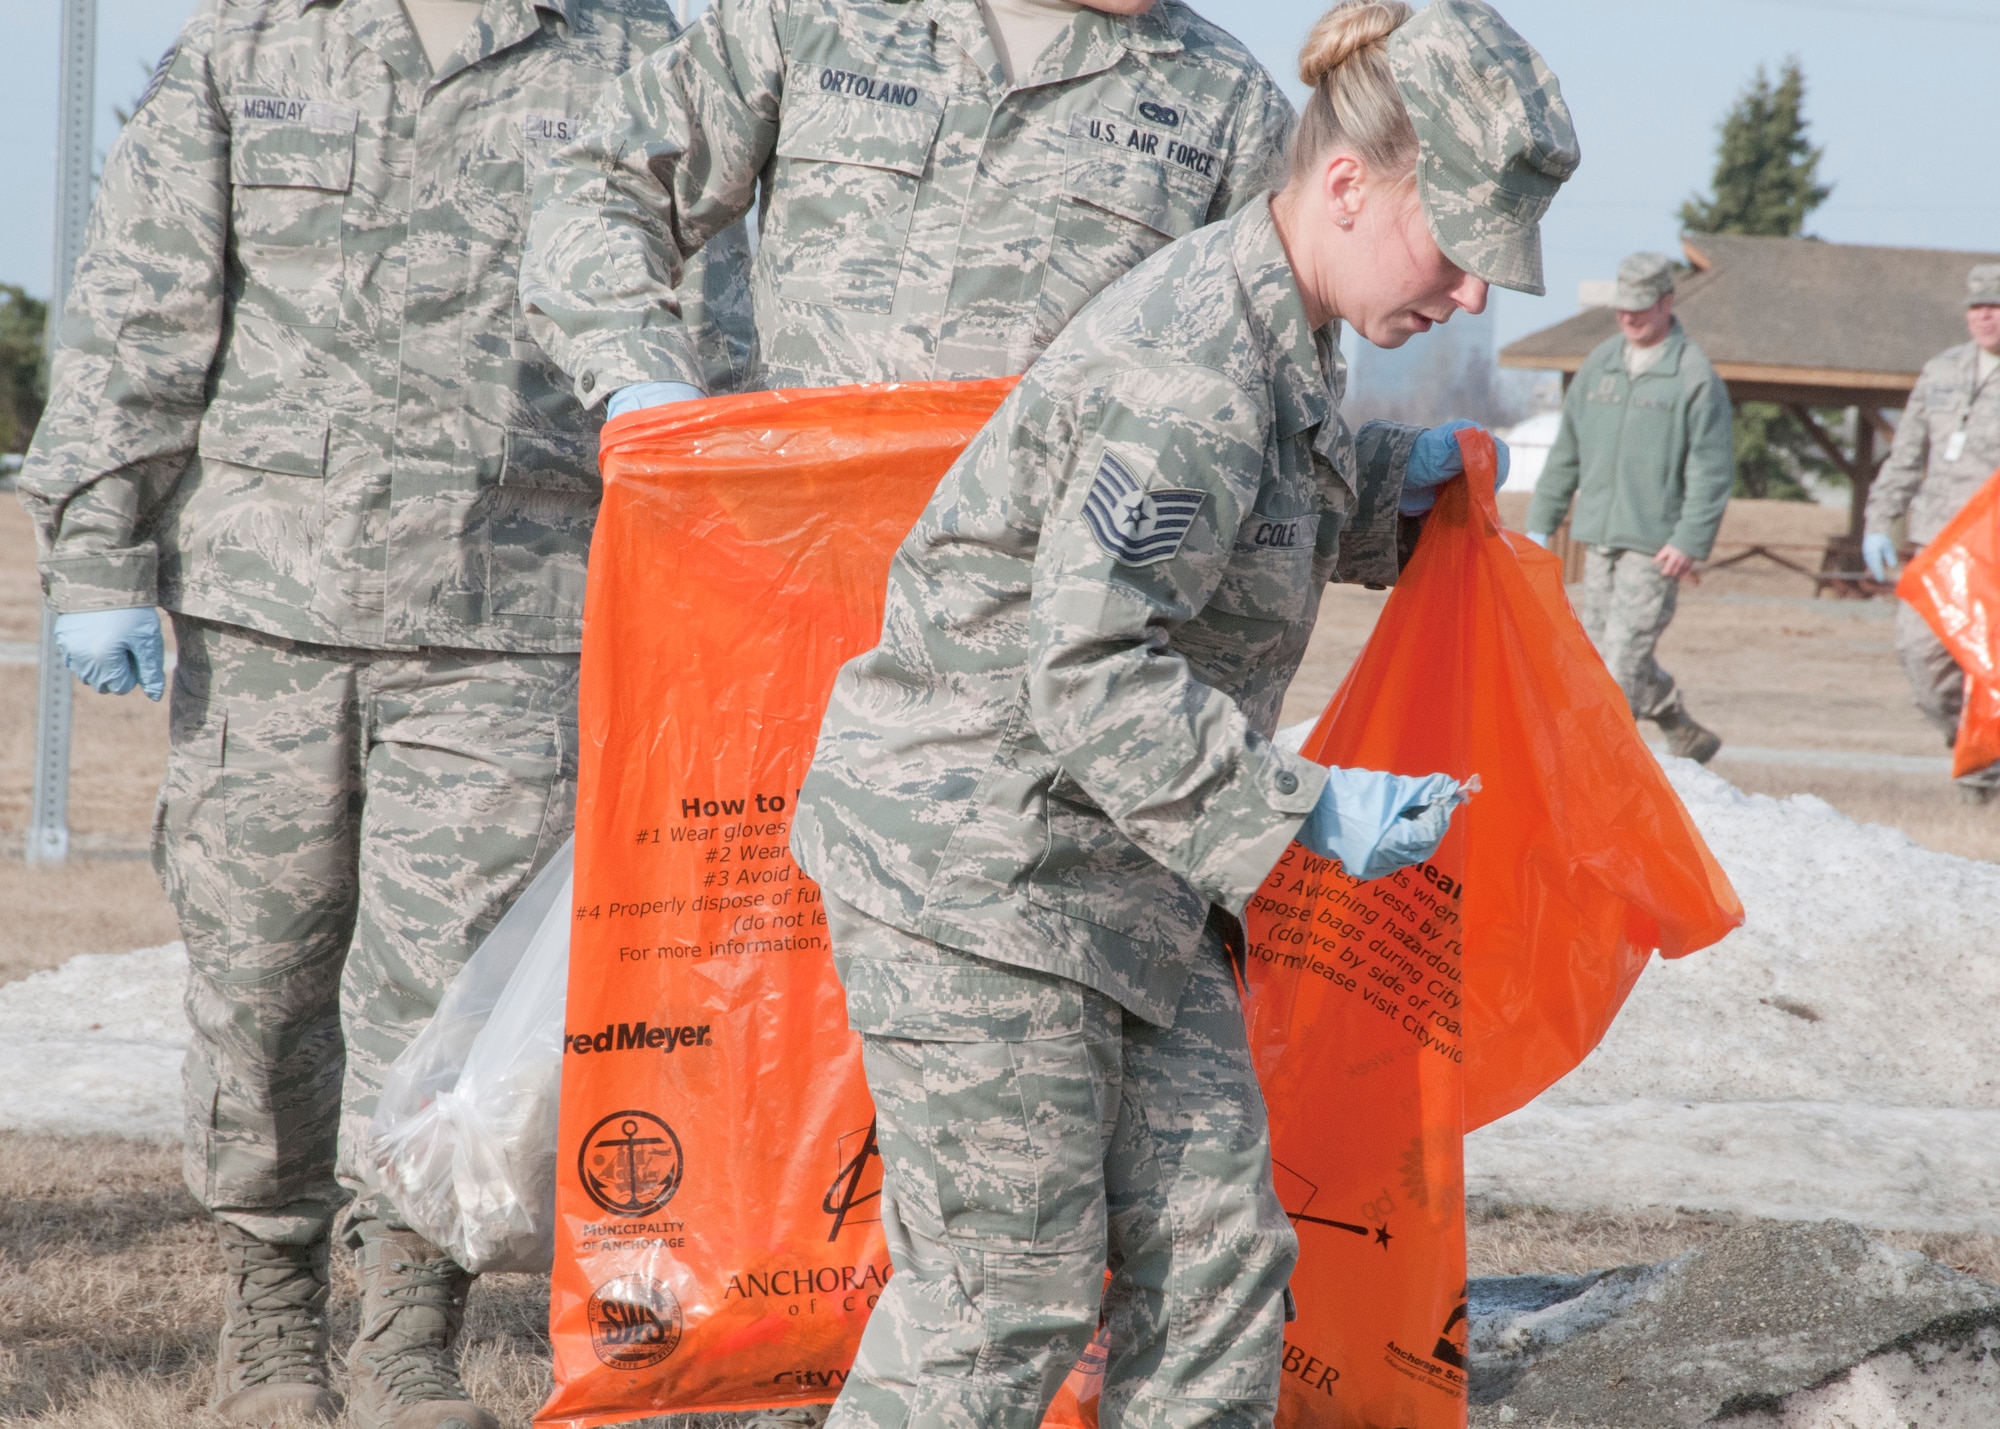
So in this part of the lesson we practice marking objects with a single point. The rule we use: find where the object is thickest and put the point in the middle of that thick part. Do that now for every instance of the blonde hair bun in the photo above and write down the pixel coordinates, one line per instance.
(1345, 31)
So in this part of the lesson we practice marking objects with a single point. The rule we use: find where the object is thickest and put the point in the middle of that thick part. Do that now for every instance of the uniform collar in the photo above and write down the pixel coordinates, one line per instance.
(1094, 43)
(1300, 385)
(1669, 364)
(384, 27)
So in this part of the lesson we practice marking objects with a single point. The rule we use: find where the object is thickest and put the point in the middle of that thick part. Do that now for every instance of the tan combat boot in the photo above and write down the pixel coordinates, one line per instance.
(272, 1361)
(1685, 738)
(402, 1373)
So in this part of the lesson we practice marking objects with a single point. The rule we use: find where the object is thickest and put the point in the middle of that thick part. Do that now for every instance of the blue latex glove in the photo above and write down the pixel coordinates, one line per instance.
(1540, 539)
(1878, 553)
(1376, 823)
(112, 651)
(1436, 459)
(640, 395)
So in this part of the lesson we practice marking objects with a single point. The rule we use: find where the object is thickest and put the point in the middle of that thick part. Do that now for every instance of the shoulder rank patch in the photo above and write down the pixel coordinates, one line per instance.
(158, 79)
(1135, 526)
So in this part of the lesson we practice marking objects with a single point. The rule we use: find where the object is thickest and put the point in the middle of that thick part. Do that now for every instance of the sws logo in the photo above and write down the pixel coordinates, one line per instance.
(634, 1037)
(635, 1322)
(630, 1163)
(1161, 114)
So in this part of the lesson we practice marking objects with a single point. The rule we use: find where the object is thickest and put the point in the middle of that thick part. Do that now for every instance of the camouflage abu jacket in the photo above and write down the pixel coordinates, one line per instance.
(920, 218)
(1059, 756)
(295, 390)
(1947, 446)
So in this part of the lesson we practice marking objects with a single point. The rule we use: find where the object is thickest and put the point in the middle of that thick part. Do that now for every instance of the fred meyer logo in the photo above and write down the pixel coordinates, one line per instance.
(634, 1037)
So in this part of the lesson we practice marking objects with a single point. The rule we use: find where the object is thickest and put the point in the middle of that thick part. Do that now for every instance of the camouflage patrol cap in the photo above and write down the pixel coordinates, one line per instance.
(1982, 286)
(1643, 279)
(1494, 137)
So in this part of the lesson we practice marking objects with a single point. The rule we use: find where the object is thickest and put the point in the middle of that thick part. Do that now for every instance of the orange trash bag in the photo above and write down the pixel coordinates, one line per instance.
(1954, 584)
(1389, 1018)
(718, 1242)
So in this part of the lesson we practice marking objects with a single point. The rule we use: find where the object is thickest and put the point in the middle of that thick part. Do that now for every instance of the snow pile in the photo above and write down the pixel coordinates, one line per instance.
(95, 1046)
(1836, 1056)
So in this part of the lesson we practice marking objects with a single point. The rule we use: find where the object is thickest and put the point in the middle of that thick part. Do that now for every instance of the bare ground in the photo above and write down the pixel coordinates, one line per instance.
(109, 1298)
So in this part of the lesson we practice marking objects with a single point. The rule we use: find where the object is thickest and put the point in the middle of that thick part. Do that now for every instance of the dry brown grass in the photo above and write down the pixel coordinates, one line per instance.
(1926, 808)
(1528, 1240)
(110, 1299)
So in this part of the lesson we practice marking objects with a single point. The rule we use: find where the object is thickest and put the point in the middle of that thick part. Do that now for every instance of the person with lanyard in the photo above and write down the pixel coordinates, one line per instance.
(1947, 447)
(295, 403)
(1039, 805)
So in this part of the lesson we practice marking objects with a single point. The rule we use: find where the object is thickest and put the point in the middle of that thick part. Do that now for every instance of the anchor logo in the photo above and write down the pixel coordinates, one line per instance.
(630, 1163)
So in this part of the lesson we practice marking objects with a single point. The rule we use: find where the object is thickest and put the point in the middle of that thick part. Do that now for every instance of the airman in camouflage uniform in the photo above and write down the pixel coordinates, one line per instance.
(922, 216)
(1947, 447)
(296, 404)
(1037, 806)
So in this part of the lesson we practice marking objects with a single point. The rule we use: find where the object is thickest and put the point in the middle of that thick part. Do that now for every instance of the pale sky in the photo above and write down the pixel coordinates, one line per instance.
(1901, 95)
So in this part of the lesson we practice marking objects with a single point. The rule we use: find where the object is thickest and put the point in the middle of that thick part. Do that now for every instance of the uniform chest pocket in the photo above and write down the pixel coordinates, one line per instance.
(1127, 191)
(1142, 175)
(1270, 572)
(851, 155)
(291, 165)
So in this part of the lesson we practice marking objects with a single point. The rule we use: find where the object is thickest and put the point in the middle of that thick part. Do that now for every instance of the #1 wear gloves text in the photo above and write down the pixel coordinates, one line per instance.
(1878, 553)
(113, 651)
(1376, 823)
(1436, 459)
(638, 396)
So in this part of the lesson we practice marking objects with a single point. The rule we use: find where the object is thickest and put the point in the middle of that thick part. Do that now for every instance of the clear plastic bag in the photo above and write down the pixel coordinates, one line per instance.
(464, 1136)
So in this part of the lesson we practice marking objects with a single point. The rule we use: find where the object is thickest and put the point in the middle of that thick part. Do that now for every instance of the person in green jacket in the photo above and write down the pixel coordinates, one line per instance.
(1647, 452)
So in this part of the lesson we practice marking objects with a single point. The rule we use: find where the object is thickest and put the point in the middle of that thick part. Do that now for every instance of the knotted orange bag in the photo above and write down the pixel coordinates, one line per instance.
(1954, 583)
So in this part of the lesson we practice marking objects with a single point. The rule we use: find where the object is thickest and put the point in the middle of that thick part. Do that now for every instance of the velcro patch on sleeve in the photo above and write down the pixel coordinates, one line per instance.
(1137, 527)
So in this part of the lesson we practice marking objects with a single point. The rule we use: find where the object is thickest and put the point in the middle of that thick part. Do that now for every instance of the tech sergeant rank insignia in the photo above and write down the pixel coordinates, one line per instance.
(1135, 526)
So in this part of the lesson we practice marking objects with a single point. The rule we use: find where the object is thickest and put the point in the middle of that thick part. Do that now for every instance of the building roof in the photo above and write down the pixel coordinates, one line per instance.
(1797, 320)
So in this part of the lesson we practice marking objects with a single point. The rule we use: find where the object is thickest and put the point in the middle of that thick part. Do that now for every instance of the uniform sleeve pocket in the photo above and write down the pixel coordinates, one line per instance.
(291, 444)
(546, 460)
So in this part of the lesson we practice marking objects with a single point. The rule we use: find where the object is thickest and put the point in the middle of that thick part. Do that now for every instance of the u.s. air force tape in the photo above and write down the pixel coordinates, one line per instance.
(1137, 527)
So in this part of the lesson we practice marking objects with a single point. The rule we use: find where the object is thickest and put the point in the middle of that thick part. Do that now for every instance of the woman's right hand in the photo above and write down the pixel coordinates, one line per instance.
(1376, 823)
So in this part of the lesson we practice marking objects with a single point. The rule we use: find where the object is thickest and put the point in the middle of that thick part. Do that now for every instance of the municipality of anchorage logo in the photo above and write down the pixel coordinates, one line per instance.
(1137, 527)
(630, 1163)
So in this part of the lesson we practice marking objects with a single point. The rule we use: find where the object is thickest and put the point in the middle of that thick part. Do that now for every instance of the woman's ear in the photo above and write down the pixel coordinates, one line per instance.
(1343, 188)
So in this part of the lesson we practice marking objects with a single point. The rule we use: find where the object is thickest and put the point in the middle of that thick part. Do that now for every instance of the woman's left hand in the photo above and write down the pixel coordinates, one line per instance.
(1436, 459)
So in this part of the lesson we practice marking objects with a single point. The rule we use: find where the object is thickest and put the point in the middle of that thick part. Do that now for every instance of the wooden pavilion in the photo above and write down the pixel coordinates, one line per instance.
(1807, 325)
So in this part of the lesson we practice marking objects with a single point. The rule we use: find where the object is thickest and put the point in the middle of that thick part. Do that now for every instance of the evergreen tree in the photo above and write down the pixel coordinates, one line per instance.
(1766, 170)
(1766, 183)
(23, 375)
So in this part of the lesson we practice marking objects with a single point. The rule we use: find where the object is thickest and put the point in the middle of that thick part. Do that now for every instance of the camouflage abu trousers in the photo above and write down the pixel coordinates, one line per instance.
(1034, 1133)
(338, 830)
(1937, 685)
(1627, 607)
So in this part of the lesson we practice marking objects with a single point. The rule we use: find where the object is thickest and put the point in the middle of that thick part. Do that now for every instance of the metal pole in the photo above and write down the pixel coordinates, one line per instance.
(48, 821)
